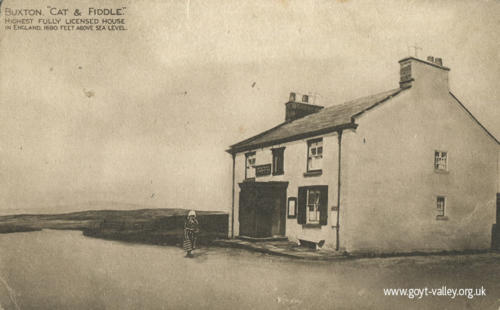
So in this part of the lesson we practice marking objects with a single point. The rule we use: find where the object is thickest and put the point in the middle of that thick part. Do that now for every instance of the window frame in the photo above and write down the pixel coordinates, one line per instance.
(315, 205)
(446, 161)
(277, 153)
(247, 155)
(441, 212)
(303, 205)
(308, 157)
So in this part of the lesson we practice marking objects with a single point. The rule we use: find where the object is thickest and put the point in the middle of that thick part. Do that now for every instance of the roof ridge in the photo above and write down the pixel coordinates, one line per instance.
(364, 97)
(328, 119)
(347, 103)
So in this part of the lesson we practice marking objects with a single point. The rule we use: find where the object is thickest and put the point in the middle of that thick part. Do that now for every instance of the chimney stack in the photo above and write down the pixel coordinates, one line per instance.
(405, 77)
(423, 74)
(297, 109)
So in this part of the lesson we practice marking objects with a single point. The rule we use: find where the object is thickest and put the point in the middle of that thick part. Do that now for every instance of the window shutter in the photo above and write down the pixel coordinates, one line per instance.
(323, 205)
(301, 205)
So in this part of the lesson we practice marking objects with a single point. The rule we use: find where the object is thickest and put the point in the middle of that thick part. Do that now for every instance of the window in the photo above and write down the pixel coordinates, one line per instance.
(441, 205)
(250, 165)
(305, 98)
(312, 205)
(314, 154)
(441, 160)
(278, 161)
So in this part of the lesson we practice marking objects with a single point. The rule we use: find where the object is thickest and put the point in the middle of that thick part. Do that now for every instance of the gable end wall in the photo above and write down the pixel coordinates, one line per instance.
(389, 185)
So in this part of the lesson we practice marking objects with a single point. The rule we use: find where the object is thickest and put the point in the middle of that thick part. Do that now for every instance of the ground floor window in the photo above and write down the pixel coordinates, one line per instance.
(313, 205)
(312, 208)
(441, 205)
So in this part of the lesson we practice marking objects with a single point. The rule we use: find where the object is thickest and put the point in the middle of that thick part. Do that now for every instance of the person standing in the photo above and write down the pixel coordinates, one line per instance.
(191, 229)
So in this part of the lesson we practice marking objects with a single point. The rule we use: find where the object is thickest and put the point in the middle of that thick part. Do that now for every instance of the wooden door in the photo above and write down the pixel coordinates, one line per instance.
(246, 215)
(262, 209)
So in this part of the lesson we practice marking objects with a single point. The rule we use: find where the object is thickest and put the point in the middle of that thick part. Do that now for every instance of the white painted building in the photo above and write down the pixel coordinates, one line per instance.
(408, 169)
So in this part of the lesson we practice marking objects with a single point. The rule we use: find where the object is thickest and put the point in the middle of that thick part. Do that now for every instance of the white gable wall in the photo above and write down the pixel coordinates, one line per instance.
(390, 186)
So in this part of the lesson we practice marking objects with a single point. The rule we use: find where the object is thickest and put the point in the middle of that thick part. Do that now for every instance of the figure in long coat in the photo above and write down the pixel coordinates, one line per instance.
(191, 229)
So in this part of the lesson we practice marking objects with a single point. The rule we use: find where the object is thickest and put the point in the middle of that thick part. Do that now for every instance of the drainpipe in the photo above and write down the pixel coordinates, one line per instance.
(338, 189)
(232, 202)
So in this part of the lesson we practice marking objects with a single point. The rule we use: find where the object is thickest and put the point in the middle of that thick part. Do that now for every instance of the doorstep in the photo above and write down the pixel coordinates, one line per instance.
(253, 239)
(282, 248)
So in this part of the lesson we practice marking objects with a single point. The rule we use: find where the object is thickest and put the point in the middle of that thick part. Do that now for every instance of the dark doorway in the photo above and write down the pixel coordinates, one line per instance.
(262, 209)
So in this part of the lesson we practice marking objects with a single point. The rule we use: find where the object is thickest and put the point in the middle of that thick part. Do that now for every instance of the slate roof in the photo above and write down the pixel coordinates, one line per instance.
(326, 120)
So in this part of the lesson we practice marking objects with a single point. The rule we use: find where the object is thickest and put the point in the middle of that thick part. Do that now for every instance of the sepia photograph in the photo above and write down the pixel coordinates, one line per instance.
(269, 154)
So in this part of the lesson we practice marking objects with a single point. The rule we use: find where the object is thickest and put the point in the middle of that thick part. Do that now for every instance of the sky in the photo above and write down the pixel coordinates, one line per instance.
(144, 116)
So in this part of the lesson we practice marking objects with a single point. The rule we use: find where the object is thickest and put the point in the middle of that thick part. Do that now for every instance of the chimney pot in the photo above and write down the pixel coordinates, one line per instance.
(430, 58)
(438, 61)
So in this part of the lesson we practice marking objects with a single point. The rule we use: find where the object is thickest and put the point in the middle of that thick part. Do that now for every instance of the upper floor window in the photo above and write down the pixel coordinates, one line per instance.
(250, 165)
(441, 160)
(278, 161)
(314, 154)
